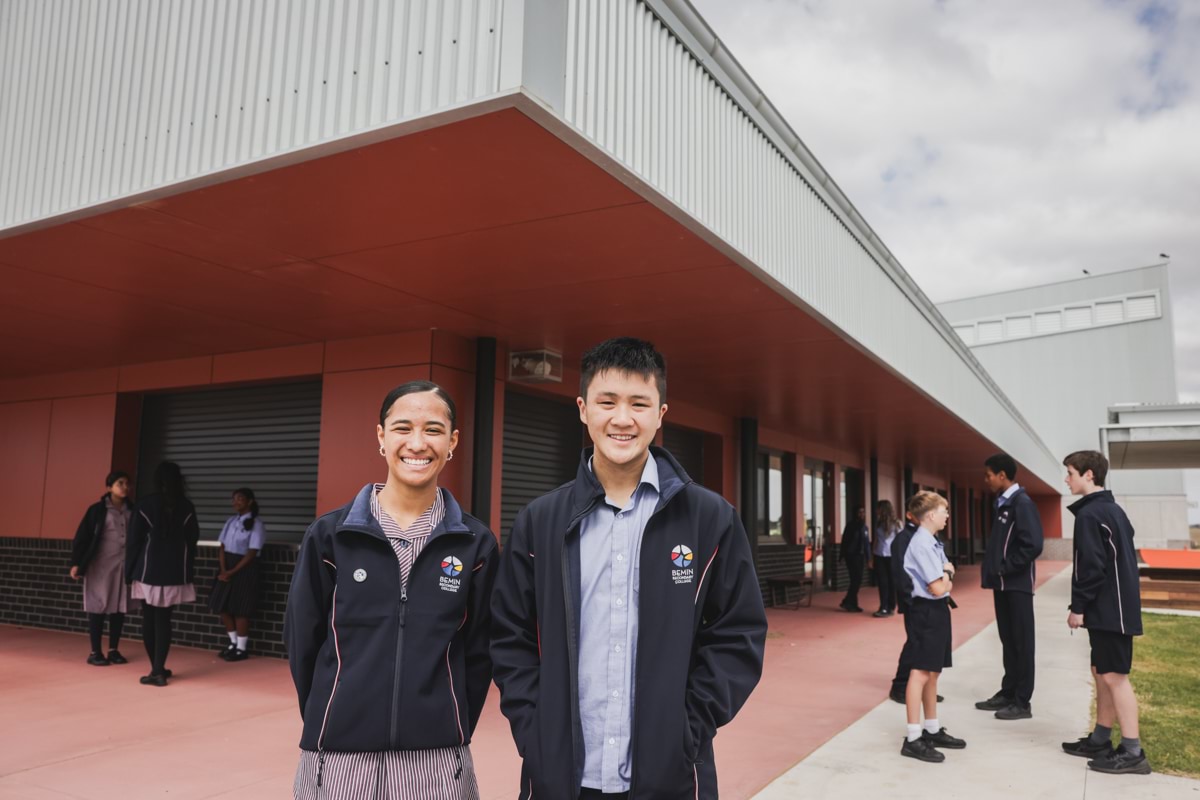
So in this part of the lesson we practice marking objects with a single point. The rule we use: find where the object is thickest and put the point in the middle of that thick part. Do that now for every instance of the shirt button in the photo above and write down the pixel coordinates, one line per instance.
(617, 648)
(620, 602)
(612, 741)
(620, 558)
(616, 693)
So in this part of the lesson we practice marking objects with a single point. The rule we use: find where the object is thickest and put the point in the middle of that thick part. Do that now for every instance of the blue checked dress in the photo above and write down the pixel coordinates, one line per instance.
(446, 773)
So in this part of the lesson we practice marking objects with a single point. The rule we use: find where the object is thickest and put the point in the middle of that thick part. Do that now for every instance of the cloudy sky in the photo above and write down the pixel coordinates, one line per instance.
(999, 143)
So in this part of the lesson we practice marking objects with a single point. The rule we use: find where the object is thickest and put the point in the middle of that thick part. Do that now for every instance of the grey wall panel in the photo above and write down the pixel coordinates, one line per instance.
(100, 100)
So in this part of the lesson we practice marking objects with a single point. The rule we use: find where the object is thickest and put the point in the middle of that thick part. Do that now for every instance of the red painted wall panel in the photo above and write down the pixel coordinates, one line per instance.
(457, 475)
(80, 455)
(62, 384)
(1050, 509)
(370, 352)
(177, 373)
(349, 414)
(279, 362)
(24, 431)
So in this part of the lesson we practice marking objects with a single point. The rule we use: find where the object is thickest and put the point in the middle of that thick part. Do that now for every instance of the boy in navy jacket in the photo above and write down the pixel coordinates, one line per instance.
(1105, 599)
(1008, 570)
(628, 623)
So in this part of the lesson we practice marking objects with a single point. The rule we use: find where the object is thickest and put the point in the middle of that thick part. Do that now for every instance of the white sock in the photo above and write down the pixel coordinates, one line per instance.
(242, 641)
(232, 636)
(932, 725)
(914, 732)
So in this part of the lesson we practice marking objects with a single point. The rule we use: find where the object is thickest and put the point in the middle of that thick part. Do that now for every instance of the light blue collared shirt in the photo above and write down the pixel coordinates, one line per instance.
(610, 545)
(924, 561)
(1008, 493)
(238, 540)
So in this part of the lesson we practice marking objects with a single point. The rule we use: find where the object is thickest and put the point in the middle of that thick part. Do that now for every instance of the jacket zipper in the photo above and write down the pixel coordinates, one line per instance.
(402, 611)
(337, 681)
(1004, 553)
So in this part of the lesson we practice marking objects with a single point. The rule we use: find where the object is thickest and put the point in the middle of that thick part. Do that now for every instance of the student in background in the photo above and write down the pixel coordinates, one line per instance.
(855, 549)
(98, 559)
(161, 562)
(929, 626)
(886, 528)
(1105, 599)
(235, 590)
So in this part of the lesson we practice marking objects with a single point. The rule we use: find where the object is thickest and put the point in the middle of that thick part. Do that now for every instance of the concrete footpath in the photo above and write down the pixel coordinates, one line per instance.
(1003, 760)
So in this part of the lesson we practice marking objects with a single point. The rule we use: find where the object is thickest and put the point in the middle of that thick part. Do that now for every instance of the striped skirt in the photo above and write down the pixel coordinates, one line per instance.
(446, 773)
(239, 595)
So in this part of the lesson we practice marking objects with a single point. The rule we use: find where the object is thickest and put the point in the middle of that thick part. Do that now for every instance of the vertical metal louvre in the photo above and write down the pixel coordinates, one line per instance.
(263, 437)
(542, 439)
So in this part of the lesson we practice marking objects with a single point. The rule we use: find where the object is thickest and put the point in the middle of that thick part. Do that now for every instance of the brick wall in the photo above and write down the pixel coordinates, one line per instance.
(36, 591)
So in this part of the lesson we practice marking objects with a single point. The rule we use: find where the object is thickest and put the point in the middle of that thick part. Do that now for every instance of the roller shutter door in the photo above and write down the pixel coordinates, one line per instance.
(688, 448)
(263, 437)
(542, 440)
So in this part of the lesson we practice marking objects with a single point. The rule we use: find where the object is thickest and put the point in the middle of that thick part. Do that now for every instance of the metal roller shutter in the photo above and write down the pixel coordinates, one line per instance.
(542, 439)
(263, 437)
(688, 448)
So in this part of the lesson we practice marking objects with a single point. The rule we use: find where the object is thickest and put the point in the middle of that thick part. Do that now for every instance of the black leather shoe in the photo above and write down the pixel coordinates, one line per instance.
(227, 652)
(921, 750)
(97, 660)
(994, 703)
(153, 680)
(943, 739)
(1015, 711)
(1087, 748)
(115, 657)
(881, 614)
(1122, 762)
(237, 655)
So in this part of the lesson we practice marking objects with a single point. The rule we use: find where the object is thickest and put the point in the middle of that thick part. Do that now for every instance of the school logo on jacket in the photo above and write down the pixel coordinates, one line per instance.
(452, 568)
(681, 557)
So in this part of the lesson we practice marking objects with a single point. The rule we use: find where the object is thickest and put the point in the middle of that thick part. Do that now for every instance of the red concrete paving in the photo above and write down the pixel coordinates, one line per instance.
(68, 730)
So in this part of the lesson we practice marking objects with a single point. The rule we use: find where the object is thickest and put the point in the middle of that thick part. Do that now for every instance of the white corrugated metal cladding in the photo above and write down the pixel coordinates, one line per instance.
(99, 100)
(700, 133)
(103, 101)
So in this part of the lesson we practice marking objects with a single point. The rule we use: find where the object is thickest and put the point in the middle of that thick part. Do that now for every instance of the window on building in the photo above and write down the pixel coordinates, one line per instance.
(776, 497)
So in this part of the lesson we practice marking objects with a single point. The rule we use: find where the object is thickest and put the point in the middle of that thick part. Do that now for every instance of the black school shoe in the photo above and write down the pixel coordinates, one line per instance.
(943, 740)
(994, 703)
(237, 655)
(153, 680)
(227, 652)
(115, 657)
(1015, 711)
(898, 697)
(97, 660)
(1087, 748)
(1121, 762)
(921, 750)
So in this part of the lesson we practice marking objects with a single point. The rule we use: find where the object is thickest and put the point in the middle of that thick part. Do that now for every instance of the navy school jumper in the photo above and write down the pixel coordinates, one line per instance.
(701, 632)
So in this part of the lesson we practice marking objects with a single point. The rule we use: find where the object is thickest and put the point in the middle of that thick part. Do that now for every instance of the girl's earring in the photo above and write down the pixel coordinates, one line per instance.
(381, 451)
(450, 456)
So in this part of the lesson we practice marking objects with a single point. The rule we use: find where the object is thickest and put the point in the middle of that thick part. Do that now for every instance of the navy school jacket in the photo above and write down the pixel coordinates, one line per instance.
(88, 534)
(160, 547)
(1104, 579)
(1013, 546)
(701, 633)
(379, 669)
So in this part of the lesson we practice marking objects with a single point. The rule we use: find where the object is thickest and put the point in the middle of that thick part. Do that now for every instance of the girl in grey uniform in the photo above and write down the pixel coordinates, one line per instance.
(98, 559)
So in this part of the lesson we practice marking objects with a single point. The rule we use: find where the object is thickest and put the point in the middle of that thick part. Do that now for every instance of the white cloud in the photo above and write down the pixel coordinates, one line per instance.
(1014, 143)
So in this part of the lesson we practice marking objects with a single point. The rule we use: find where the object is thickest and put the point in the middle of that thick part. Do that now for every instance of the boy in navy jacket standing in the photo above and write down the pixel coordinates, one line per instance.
(628, 623)
(1105, 599)
(1009, 571)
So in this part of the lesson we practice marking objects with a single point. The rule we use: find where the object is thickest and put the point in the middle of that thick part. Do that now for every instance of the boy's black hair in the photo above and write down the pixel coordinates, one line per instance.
(412, 387)
(1002, 462)
(628, 355)
(1083, 460)
(115, 476)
